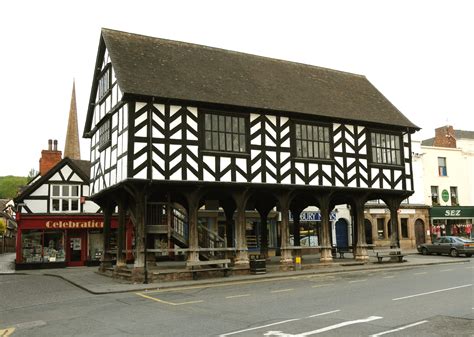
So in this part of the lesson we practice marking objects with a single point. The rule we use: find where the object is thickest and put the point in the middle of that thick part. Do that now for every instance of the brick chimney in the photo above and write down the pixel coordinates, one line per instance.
(49, 157)
(445, 137)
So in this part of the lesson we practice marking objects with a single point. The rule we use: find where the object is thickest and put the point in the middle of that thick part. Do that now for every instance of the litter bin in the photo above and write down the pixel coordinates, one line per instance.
(258, 265)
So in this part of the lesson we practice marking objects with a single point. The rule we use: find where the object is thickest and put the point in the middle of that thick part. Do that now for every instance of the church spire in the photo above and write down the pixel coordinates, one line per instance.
(71, 147)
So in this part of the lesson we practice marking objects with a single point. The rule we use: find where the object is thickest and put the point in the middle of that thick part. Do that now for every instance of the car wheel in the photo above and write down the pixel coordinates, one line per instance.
(424, 251)
(454, 253)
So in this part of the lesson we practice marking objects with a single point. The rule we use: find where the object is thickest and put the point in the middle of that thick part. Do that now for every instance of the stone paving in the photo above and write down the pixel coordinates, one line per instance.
(88, 279)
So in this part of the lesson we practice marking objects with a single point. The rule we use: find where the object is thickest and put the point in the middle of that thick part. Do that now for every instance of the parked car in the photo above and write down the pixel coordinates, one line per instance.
(452, 245)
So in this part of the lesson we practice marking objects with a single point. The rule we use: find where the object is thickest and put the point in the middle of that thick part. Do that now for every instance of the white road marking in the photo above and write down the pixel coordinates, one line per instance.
(328, 328)
(355, 281)
(391, 276)
(237, 296)
(259, 327)
(421, 273)
(399, 329)
(281, 290)
(324, 313)
(321, 285)
(431, 292)
(445, 270)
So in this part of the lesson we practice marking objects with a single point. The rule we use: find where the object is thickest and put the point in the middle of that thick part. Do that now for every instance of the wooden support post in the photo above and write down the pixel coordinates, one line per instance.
(393, 205)
(361, 253)
(242, 256)
(140, 219)
(106, 260)
(286, 253)
(326, 249)
(192, 209)
(121, 260)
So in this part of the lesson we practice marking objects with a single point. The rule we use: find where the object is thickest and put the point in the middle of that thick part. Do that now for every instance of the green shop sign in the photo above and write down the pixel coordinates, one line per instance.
(445, 195)
(452, 212)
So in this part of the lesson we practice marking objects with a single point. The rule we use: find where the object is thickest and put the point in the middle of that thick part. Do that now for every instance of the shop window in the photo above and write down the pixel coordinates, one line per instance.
(312, 141)
(65, 198)
(454, 196)
(381, 228)
(39, 246)
(442, 169)
(434, 195)
(404, 226)
(224, 133)
(386, 148)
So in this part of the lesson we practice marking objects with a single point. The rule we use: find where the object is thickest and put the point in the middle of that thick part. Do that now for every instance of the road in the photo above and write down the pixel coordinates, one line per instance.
(436, 300)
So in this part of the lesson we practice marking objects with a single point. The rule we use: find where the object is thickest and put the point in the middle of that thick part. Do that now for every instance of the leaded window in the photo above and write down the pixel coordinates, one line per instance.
(65, 198)
(104, 82)
(312, 141)
(225, 133)
(386, 148)
(104, 134)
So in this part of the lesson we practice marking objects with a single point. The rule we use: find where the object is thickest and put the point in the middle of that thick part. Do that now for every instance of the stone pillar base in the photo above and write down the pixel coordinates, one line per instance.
(326, 254)
(286, 256)
(361, 253)
(242, 258)
(193, 256)
(105, 262)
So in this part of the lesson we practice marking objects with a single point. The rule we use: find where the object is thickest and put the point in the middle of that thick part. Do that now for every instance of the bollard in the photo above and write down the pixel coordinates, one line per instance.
(298, 263)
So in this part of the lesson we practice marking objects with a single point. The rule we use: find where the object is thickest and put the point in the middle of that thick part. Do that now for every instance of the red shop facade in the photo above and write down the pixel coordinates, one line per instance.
(58, 241)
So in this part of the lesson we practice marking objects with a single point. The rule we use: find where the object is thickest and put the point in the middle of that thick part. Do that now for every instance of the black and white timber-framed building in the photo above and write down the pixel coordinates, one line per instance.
(174, 123)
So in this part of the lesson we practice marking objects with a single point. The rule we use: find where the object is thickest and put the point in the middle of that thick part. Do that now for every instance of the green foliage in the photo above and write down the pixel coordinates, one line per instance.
(3, 226)
(10, 185)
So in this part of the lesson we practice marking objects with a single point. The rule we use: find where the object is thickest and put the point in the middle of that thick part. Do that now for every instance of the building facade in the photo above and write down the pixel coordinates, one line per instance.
(448, 159)
(175, 123)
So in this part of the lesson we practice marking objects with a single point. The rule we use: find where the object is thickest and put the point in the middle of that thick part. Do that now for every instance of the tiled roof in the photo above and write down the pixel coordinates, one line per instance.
(148, 66)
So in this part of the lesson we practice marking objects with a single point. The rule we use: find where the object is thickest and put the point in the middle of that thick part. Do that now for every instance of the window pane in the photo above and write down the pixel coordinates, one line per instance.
(384, 156)
(75, 191)
(221, 123)
(398, 159)
(304, 148)
(298, 131)
(228, 124)
(382, 141)
(65, 191)
(315, 133)
(298, 148)
(321, 133)
(242, 143)
(303, 132)
(377, 139)
(372, 136)
(310, 146)
(316, 150)
(208, 140)
(222, 140)
(55, 204)
(215, 125)
(235, 124)
(65, 205)
(242, 126)
(310, 133)
(215, 141)
(326, 134)
(55, 191)
(328, 153)
(74, 205)
(374, 155)
(207, 122)
(228, 142)
(322, 154)
(235, 142)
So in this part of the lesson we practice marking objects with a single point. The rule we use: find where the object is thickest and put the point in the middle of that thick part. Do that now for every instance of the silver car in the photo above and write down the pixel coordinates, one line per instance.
(452, 245)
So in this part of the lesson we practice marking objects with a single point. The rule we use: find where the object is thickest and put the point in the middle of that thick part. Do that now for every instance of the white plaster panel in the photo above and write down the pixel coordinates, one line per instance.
(37, 206)
(253, 117)
(178, 175)
(66, 171)
(257, 179)
(193, 110)
(90, 207)
(191, 176)
(142, 132)
(269, 179)
(300, 168)
(41, 191)
(327, 170)
(139, 105)
(190, 135)
(75, 178)
(56, 177)
(174, 109)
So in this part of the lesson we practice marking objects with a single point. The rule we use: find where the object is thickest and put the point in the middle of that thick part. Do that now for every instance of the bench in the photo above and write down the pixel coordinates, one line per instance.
(197, 266)
(392, 253)
(342, 250)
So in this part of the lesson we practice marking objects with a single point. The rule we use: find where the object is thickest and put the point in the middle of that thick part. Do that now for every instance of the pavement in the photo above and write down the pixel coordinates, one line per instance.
(88, 278)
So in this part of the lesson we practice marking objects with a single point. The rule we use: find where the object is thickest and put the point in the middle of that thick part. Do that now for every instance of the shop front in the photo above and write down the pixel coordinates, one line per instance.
(452, 220)
(56, 241)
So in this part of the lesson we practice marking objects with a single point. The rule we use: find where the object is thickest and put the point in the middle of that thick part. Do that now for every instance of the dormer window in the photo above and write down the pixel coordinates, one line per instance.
(65, 198)
(104, 82)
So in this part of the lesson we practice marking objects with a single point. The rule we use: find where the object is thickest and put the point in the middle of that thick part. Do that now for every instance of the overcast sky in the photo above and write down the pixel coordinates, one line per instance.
(419, 54)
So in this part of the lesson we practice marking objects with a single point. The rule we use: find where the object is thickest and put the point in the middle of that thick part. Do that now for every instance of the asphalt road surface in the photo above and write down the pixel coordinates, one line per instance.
(435, 300)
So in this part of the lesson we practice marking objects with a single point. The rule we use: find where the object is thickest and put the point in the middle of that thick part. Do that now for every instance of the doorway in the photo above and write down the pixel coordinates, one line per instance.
(420, 232)
(342, 237)
(76, 249)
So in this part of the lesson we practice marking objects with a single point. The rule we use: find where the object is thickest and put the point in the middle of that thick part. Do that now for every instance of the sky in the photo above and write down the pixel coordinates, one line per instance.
(418, 54)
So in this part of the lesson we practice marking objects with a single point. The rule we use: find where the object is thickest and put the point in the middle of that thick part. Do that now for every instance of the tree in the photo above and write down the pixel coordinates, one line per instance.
(3, 226)
(10, 185)
(32, 174)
